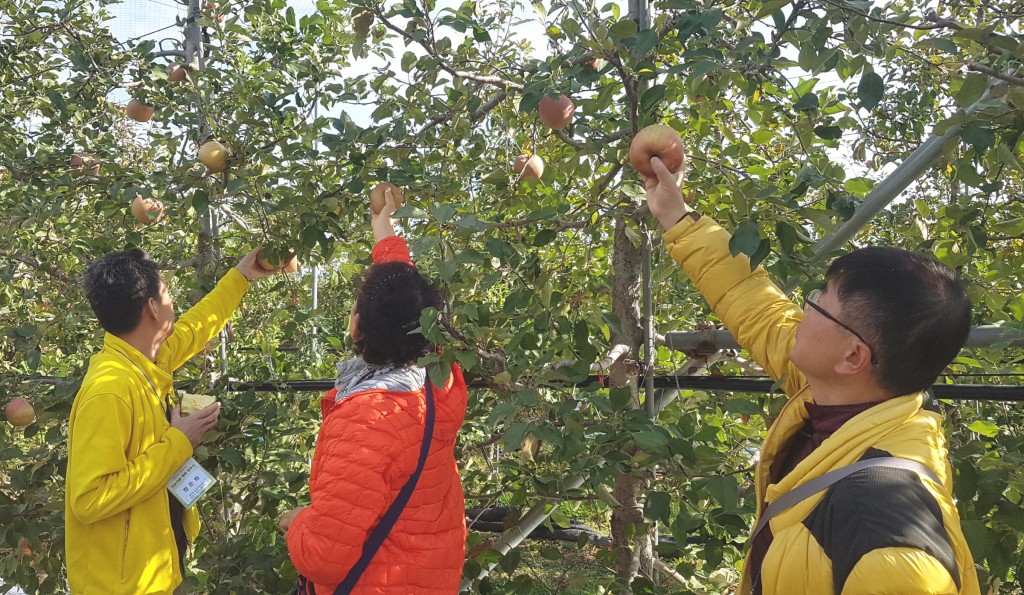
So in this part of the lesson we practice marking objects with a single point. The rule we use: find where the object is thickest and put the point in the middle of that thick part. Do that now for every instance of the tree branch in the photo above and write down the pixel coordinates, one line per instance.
(1013, 80)
(35, 264)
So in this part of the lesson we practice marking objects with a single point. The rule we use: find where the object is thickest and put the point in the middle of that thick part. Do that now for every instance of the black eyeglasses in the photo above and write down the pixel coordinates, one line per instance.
(811, 299)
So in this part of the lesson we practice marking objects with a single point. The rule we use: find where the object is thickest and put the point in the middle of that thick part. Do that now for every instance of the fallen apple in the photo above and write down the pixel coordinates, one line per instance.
(214, 156)
(556, 113)
(138, 111)
(529, 167)
(19, 412)
(177, 72)
(147, 210)
(270, 263)
(659, 141)
(377, 198)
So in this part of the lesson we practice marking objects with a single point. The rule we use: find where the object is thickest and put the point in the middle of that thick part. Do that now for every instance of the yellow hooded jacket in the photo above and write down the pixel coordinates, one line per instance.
(879, 531)
(122, 452)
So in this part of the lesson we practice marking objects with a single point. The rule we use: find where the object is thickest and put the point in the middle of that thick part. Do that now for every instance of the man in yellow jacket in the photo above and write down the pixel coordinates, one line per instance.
(124, 532)
(855, 362)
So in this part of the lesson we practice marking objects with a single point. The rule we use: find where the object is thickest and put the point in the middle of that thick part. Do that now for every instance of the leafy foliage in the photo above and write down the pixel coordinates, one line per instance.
(794, 113)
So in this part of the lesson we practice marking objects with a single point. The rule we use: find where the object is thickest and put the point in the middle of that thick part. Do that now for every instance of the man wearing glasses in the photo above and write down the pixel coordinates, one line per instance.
(854, 488)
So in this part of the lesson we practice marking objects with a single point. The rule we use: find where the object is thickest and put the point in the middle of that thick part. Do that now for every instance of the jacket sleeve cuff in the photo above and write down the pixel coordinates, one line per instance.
(682, 229)
(236, 280)
(392, 249)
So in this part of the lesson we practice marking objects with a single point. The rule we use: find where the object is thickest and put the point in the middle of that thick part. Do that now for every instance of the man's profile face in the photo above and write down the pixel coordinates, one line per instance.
(820, 342)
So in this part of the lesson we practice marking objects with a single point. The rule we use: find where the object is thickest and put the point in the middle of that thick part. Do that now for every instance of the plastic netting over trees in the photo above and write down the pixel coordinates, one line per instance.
(792, 113)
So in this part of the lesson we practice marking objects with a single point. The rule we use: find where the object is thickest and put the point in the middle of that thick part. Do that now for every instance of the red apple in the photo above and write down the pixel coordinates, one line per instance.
(176, 72)
(529, 167)
(656, 141)
(25, 547)
(556, 113)
(147, 210)
(595, 63)
(84, 162)
(290, 266)
(138, 111)
(377, 199)
(19, 412)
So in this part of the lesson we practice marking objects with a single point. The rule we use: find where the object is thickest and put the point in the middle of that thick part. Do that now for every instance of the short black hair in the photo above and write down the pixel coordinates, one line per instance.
(389, 304)
(118, 285)
(912, 310)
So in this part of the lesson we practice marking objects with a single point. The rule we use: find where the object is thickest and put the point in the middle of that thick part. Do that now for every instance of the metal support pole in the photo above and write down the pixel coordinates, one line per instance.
(515, 535)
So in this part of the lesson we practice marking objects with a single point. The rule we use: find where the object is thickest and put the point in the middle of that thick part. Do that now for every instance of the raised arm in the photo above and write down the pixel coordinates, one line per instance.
(389, 246)
(758, 314)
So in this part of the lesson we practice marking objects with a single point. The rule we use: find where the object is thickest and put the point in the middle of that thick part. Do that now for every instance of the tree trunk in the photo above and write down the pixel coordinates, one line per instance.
(633, 548)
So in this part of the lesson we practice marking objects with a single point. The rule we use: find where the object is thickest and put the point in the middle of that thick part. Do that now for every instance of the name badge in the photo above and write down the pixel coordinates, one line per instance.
(190, 482)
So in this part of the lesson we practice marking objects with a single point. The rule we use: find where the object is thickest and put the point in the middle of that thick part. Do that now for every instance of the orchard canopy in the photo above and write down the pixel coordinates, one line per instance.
(792, 113)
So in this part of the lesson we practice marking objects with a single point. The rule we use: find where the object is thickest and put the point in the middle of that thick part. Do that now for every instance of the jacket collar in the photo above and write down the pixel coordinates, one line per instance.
(848, 444)
(148, 371)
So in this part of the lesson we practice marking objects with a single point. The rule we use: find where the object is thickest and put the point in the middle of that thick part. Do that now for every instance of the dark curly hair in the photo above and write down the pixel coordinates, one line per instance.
(389, 304)
(118, 286)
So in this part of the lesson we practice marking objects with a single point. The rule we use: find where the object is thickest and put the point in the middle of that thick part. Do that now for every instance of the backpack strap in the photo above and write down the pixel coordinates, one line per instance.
(380, 532)
(812, 487)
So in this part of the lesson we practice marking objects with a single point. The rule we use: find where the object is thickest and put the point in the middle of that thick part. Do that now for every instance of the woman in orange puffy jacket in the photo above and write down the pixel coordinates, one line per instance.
(369, 446)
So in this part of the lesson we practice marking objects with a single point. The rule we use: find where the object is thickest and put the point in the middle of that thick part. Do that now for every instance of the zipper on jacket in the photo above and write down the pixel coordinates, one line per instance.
(124, 550)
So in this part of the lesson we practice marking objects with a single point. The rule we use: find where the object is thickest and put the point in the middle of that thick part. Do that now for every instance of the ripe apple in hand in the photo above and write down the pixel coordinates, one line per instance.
(377, 199)
(19, 412)
(659, 141)
(214, 156)
(556, 113)
(147, 210)
(529, 167)
(138, 111)
(280, 264)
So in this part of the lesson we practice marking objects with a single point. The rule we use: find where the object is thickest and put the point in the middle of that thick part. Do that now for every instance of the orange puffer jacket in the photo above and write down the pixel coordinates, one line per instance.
(368, 446)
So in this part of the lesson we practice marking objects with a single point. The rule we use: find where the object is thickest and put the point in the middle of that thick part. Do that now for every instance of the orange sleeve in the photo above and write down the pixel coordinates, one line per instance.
(392, 249)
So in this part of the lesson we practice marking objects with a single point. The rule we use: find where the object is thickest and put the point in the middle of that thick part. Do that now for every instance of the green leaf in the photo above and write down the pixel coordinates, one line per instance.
(651, 441)
(725, 489)
(870, 90)
(829, 132)
(657, 506)
(743, 407)
(985, 428)
(807, 102)
(972, 89)
(651, 97)
(746, 240)
(978, 137)
(769, 7)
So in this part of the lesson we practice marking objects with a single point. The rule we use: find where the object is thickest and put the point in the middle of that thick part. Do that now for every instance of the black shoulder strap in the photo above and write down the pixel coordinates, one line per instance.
(380, 532)
(806, 490)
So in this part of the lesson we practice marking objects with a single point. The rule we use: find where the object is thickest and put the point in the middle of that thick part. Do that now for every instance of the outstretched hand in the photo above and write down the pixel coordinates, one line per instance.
(664, 197)
(381, 223)
(286, 520)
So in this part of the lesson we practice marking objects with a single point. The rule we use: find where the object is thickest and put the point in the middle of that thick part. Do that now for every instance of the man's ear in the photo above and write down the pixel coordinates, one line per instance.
(856, 359)
(151, 308)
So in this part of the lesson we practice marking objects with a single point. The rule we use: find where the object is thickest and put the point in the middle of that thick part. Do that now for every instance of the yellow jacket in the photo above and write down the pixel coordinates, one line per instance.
(879, 531)
(122, 452)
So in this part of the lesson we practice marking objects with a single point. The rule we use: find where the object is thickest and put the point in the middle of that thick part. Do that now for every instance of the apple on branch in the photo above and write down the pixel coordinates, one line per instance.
(138, 111)
(529, 167)
(556, 113)
(147, 210)
(19, 412)
(214, 156)
(659, 141)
